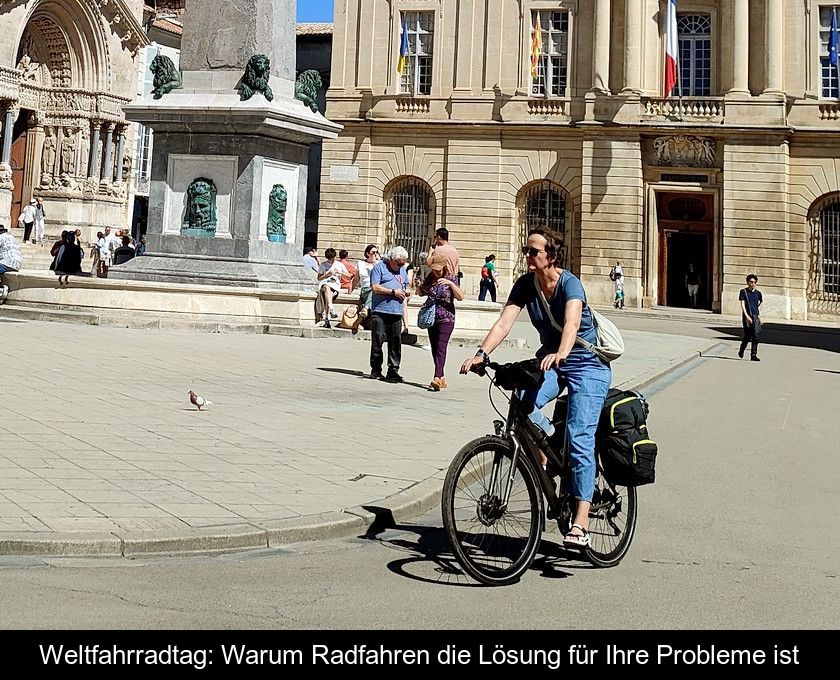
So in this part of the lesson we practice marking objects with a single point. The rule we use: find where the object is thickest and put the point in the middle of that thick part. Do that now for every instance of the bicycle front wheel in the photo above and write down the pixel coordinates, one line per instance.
(612, 522)
(495, 542)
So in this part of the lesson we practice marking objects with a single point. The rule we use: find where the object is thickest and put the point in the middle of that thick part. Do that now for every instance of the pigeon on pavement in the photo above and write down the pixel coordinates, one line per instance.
(195, 400)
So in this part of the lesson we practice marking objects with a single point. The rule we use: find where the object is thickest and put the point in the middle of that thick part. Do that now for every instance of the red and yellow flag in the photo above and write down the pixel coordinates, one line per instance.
(536, 48)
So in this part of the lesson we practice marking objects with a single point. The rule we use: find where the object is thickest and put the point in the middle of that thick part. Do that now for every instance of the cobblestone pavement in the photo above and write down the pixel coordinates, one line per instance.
(97, 437)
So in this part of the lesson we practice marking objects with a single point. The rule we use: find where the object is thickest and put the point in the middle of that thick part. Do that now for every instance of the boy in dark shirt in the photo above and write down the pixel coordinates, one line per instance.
(751, 301)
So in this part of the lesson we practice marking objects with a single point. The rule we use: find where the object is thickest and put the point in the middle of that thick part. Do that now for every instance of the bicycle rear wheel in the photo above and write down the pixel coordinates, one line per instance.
(494, 543)
(612, 522)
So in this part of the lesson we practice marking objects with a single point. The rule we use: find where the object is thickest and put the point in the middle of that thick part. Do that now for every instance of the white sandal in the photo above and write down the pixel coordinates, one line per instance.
(574, 541)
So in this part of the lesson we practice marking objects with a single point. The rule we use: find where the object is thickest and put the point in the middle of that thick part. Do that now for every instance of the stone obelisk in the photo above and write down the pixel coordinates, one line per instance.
(231, 147)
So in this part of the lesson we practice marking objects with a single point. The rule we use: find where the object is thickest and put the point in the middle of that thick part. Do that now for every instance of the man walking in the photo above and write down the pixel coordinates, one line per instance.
(40, 214)
(388, 282)
(751, 301)
(441, 247)
(27, 218)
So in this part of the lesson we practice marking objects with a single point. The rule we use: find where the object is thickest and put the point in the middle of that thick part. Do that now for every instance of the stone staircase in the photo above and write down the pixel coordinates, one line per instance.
(37, 258)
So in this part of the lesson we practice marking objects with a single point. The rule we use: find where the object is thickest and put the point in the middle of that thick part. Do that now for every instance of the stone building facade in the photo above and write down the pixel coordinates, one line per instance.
(738, 171)
(66, 69)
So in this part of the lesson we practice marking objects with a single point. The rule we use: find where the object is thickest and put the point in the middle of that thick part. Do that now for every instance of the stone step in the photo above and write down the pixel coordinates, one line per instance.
(150, 322)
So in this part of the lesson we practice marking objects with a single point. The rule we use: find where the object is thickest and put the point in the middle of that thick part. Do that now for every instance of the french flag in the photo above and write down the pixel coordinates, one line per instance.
(671, 48)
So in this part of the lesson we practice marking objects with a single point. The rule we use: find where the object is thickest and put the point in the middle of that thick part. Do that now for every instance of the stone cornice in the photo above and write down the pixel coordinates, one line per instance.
(122, 21)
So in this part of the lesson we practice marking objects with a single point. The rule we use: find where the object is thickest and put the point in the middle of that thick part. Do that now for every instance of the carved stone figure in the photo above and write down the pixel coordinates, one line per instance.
(685, 150)
(84, 152)
(200, 215)
(68, 152)
(277, 202)
(256, 77)
(48, 156)
(28, 68)
(306, 88)
(167, 77)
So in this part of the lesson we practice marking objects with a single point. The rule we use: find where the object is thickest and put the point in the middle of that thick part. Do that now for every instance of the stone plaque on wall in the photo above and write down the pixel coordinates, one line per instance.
(344, 173)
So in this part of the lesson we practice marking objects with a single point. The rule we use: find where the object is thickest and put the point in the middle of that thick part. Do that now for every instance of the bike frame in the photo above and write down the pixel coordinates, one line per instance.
(522, 433)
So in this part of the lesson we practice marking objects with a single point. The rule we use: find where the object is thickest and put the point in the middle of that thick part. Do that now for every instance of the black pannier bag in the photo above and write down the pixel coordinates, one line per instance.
(628, 455)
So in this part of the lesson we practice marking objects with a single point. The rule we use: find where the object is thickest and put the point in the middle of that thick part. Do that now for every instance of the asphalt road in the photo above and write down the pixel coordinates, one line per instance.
(741, 531)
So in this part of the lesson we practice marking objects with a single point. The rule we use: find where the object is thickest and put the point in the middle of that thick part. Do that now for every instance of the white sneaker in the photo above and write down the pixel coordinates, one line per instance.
(333, 314)
(4, 293)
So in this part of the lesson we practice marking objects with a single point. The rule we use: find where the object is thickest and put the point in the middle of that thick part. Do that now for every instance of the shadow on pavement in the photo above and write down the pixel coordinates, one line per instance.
(790, 336)
(362, 374)
(824, 370)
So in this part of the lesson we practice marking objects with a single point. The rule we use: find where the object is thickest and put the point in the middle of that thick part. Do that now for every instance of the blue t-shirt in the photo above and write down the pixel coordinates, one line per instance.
(753, 300)
(524, 294)
(382, 275)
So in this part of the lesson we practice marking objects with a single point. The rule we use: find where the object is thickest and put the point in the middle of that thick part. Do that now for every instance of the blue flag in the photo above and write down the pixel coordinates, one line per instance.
(832, 39)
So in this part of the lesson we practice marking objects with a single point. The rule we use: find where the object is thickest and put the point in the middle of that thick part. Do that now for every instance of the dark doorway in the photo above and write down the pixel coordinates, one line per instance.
(19, 139)
(140, 218)
(683, 250)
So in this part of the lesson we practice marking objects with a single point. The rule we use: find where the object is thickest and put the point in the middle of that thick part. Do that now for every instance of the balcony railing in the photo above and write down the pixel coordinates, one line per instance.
(829, 111)
(547, 107)
(412, 105)
(698, 109)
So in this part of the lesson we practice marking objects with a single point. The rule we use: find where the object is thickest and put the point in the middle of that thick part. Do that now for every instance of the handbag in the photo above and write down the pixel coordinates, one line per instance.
(610, 343)
(350, 318)
(426, 315)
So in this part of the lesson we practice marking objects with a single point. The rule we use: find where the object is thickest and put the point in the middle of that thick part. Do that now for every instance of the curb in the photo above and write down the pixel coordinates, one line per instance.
(461, 337)
(367, 519)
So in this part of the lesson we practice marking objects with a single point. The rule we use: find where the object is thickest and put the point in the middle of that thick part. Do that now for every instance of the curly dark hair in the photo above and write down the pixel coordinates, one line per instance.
(554, 240)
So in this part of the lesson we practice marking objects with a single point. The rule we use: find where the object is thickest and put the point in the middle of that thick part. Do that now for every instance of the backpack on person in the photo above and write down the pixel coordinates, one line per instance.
(610, 342)
(612, 274)
(627, 453)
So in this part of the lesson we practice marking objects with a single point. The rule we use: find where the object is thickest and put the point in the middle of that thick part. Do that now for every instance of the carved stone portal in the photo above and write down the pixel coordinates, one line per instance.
(684, 151)
(200, 215)
(277, 202)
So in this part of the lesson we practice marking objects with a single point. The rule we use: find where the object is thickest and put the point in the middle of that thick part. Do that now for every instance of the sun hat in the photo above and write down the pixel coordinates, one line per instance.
(437, 262)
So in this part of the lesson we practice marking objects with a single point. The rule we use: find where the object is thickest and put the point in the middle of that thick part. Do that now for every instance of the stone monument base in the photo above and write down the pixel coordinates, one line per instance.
(214, 271)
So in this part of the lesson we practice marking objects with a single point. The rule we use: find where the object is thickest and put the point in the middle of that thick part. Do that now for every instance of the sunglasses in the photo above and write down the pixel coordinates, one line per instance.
(531, 252)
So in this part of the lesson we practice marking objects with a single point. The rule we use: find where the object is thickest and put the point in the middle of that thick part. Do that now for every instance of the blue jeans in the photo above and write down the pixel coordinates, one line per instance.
(588, 381)
(4, 269)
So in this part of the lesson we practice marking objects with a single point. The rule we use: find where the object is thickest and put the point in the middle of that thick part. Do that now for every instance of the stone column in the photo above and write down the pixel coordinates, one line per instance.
(32, 167)
(120, 153)
(108, 160)
(740, 46)
(775, 47)
(632, 46)
(8, 130)
(93, 164)
(601, 65)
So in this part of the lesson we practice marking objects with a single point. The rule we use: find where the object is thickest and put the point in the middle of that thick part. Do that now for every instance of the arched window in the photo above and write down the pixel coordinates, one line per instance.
(541, 204)
(695, 55)
(410, 205)
(826, 250)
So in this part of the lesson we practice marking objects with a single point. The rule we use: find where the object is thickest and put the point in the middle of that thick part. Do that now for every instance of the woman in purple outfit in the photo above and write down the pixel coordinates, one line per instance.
(442, 288)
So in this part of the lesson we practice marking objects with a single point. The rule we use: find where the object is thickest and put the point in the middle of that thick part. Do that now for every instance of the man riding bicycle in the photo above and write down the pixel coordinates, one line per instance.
(556, 303)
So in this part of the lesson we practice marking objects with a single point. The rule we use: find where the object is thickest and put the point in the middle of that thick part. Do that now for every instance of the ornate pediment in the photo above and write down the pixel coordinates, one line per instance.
(685, 151)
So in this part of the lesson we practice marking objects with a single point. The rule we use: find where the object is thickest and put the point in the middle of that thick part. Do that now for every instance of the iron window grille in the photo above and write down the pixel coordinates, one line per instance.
(542, 204)
(553, 65)
(828, 249)
(411, 217)
(694, 33)
(417, 75)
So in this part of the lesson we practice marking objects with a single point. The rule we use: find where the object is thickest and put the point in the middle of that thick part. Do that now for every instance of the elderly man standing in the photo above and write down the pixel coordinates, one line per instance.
(388, 281)
(10, 259)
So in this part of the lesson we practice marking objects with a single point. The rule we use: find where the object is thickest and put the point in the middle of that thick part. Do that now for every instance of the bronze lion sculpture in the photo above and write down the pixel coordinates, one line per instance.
(166, 76)
(256, 77)
(306, 88)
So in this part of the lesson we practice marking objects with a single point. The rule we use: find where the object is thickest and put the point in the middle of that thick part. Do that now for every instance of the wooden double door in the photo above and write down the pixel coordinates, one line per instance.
(686, 242)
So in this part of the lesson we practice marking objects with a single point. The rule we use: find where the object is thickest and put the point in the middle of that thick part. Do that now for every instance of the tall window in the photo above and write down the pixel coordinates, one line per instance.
(828, 73)
(541, 204)
(143, 162)
(694, 32)
(411, 217)
(829, 248)
(554, 55)
(417, 75)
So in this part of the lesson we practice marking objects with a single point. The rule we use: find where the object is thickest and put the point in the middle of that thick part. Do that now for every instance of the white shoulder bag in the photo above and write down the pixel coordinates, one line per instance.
(610, 343)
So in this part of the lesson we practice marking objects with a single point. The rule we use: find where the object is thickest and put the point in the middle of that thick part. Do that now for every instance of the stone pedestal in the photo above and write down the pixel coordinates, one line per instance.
(218, 156)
